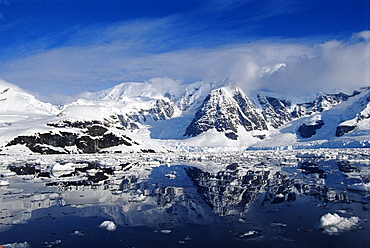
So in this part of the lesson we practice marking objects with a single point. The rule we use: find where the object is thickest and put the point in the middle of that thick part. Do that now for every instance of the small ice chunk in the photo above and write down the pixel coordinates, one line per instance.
(4, 183)
(280, 195)
(278, 224)
(334, 224)
(108, 225)
(78, 233)
(56, 243)
(170, 176)
(250, 235)
(166, 231)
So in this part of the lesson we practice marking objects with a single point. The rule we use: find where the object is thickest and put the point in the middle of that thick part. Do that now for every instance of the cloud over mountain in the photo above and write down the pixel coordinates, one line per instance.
(283, 66)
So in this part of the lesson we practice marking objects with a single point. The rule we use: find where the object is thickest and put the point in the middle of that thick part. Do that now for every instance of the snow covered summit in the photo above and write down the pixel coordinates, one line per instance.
(148, 116)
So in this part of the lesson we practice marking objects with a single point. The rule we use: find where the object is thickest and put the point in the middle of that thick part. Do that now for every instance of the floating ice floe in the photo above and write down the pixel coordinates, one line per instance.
(16, 245)
(62, 169)
(359, 187)
(78, 233)
(55, 243)
(333, 224)
(170, 176)
(4, 183)
(166, 231)
(108, 225)
(250, 235)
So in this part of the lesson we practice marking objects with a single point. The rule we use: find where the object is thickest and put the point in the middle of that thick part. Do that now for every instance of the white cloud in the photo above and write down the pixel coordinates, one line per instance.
(112, 57)
(363, 35)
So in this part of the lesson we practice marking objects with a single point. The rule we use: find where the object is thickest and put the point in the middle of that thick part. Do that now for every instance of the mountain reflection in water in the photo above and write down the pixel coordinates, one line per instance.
(267, 204)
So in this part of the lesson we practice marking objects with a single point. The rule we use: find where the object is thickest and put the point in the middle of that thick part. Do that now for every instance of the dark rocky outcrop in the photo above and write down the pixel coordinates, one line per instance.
(74, 124)
(47, 143)
(307, 131)
(96, 130)
(342, 130)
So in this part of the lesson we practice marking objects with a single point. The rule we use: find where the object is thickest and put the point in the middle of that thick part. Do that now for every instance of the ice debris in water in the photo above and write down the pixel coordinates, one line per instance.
(78, 233)
(334, 224)
(108, 225)
(55, 243)
(16, 245)
(359, 187)
(253, 234)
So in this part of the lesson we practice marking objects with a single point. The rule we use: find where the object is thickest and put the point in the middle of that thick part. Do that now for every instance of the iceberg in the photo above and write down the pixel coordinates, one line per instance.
(333, 224)
(108, 225)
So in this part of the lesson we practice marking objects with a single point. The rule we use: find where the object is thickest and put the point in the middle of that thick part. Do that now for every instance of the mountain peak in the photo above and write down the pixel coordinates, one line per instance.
(225, 111)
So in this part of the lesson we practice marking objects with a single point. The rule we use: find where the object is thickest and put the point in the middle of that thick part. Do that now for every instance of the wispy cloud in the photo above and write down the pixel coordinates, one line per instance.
(254, 66)
(208, 46)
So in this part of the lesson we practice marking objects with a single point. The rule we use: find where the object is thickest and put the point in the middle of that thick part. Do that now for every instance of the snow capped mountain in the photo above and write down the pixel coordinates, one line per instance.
(14, 100)
(361, 122)
(226, 110)
(146, 116)
(342, 125)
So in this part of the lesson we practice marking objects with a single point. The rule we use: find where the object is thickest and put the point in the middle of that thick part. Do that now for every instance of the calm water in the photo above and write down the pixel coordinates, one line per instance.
(230, 205)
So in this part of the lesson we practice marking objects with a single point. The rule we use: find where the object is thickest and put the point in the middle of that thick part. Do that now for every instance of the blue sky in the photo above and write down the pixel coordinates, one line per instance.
(69, 46)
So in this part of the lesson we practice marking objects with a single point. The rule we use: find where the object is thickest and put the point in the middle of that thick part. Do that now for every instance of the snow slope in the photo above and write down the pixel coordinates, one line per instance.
(341, 114)
(153, 115)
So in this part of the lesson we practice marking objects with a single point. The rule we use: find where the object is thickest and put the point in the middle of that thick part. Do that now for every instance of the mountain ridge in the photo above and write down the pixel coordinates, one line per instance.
(196, 114)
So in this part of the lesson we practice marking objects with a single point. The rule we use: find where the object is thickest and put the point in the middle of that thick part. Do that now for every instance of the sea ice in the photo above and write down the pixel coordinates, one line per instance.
(250, 235)
(108, 225)
(16, 245)
(62, 169)
(359, 187)
(4, 183)
(334, 224)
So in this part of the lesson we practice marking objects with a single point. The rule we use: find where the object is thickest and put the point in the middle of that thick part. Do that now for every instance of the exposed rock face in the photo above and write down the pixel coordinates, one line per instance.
(47, 143)
(127, 123)
(96, 130)
(320, 104)
(250, 118)
(364, 106)
(342, 130)
(218, 111)
(162, 110)
(226, 112)
(275, 110)
(307, 131)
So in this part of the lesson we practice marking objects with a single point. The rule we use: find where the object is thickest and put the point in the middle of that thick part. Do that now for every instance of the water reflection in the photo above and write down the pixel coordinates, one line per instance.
(164, 197)
(229, 192)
